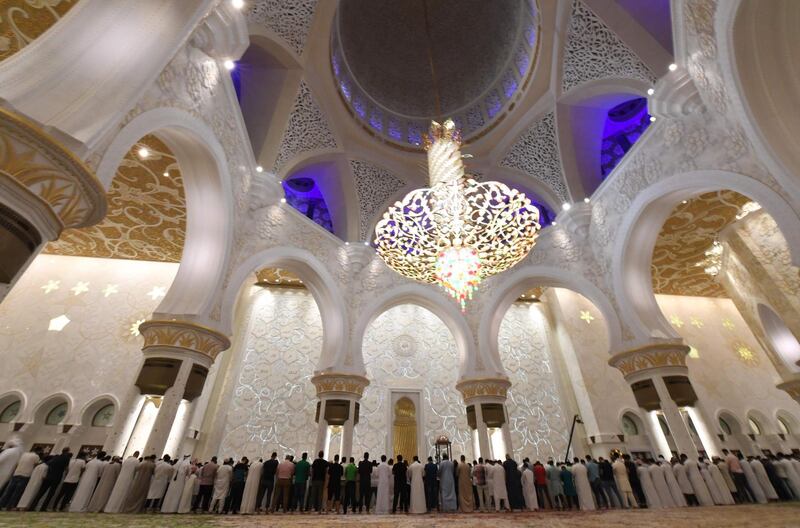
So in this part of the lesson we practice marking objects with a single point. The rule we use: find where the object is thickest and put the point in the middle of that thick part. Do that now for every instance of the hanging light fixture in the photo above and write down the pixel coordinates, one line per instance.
(458, 231)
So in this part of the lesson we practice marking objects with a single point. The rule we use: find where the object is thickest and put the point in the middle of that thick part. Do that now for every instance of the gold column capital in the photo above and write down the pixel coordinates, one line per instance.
(339, 383)
(472, 388)
(669, 356)
(50, 171)
(183, 336)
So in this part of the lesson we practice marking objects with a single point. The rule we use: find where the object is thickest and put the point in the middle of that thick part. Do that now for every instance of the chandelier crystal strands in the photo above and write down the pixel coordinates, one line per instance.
(458, 231)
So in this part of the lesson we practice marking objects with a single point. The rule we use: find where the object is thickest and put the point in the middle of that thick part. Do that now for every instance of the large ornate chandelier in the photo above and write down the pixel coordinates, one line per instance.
(458, 231)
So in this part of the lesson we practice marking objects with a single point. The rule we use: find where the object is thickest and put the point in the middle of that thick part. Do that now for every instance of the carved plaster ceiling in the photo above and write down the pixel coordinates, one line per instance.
(21, 21)
(146, 217)
(689, 231)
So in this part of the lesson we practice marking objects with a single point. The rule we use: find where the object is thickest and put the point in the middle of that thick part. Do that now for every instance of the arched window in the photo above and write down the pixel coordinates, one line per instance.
(726, 428)
(754, 427)
(10, 412)
(56, 414)
(104, 417)
(629, 427)
(784, 426)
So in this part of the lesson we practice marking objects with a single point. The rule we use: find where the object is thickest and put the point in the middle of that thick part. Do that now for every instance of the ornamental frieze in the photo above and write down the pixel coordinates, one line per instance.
(650, 357)
(474, 388)
(183, 335)
(340, 383)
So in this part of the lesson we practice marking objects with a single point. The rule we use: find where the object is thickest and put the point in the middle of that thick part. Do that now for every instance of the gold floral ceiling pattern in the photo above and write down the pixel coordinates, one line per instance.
(21, 21)
(146, 217)
(686, 235)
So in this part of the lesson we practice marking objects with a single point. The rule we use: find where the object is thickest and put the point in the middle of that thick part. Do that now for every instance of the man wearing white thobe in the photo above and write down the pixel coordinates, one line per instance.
(499, 491)
(763, 479)
(158, 486)
(383, 501)
(679, 470)
(251, 488)
(623, 483)
(415, 475)
(88, 482)
(752, 481)
(581, 475)
(123, 483)
(175, 489)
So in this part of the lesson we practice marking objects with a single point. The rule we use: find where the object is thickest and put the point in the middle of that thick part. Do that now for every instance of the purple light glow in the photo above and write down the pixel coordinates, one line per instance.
(304, 194)
(625, 123)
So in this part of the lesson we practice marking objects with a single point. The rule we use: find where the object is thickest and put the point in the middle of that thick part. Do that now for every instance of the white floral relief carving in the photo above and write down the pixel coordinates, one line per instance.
(289, 19)
(537, 420)
(593, 51)
(273, 403)
(432, 369)
(307, 129)
(536, 153)
(374, 186)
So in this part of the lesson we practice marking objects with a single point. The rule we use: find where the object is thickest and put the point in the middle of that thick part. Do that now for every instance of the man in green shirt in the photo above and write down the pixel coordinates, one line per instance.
(350, 473)
(301, 470)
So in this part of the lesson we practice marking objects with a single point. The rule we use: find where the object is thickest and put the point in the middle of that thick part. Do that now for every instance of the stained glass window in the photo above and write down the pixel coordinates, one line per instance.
(57, 414)
(10, 412)
(629, 427)
(104, 417)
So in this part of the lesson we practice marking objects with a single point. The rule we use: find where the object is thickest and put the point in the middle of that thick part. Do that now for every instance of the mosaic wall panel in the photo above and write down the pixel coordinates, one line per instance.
(273, 402)
(408, 347)
(538, 424)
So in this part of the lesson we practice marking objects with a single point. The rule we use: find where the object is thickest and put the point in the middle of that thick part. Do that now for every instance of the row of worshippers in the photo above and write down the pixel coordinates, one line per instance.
(29, 481)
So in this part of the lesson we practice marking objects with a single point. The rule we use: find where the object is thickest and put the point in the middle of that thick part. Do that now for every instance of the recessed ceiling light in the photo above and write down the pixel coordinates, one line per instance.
(238, 4)
(259, 168)
(650, 91)
(283, 200)
(684, 202)
(554, 223)
(229, 64)
(652, 119)
(586, 200)
(143, 152)
(566, 206)
(166, 174)
(673, 67)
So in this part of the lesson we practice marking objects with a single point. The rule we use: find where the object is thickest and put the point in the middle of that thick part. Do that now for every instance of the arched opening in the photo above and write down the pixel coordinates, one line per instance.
(783, 341)
(48, 418)
(733, 437)
(789, 429)
(598, 124)
(97, 419)
(410, 356)
(287, 322)
(265, 79)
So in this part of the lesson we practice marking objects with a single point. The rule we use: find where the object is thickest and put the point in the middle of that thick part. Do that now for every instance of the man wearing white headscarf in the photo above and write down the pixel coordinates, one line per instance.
(672, 482)
(122, 485)
(660, 483)
(763, 479)
(87, 483)
(175, 490)
(581, 476)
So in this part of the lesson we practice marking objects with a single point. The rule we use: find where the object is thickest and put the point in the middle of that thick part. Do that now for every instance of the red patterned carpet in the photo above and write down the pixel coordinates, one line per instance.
(768, 516)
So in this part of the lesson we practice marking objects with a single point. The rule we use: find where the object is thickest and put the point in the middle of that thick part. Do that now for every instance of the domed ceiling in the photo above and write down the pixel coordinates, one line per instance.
(481, 52)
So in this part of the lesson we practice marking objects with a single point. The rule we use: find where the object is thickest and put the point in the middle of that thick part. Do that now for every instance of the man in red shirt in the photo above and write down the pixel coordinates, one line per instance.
(540, 482)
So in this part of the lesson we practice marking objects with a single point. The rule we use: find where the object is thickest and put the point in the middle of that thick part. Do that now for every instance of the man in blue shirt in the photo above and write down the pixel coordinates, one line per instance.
(593, 471)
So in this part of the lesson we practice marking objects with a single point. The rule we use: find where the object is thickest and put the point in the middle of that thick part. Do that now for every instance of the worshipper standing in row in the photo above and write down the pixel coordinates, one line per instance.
(105, 486)
(56, 467)
(584, 490)
(364, 476)
(335, 472)
(513, 484)
(554, 487)
(479, 478)
(26, 502)
(432, 485)
(12, 452)
(115, 502)
(568, 484)
(417, 493)
(350, 475)
(466, 502)
(250, 495)
(382, 501)
(88, 482)
(207, 475)
(447, 485)
(137, 493)
(70, 482)
(222, 485)
(499, 490)
(283, 484)
(162, 475)
(528, 486)
(319, 469)
(620, 471)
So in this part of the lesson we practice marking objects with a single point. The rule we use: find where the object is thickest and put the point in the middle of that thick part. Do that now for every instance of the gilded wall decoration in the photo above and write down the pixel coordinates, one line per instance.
(183, 335)
(21, 21)
(686, 235)
(278, 277)
(333, 382)
(432, 369)
(146, 218)
(649, 357)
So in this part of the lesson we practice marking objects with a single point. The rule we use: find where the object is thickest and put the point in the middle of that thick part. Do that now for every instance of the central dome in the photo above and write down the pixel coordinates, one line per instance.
(481, 52)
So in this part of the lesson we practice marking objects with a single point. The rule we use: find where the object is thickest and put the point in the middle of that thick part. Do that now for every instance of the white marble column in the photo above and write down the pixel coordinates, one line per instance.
(165, 419)
(339, 386)
(322, 430)
(677, 425)
(483, 434)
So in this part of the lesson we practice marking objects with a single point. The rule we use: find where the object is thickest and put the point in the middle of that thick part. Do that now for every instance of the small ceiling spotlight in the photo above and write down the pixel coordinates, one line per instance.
(347, 243)
(143, 152)
(566, 206)
(283, 200)
(229, 64)
(586, 200)
(237, 4)
(684, 202)
(259, 168)
(652, 119)
(166, 174)
(554, 223)
(673, 67)
(650, 91)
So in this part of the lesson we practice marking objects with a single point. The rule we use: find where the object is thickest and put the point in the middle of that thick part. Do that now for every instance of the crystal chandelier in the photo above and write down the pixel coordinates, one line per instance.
(458, 231)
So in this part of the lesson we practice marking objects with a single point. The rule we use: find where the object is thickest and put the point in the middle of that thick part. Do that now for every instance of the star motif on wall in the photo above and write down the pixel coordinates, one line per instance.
(110, 289)
(727, 323)
(586, 316)
(81, 287)
(135, 327)
(745, 354)
(51, 286)
(676, 321)
(156, 292)
(697, 323)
